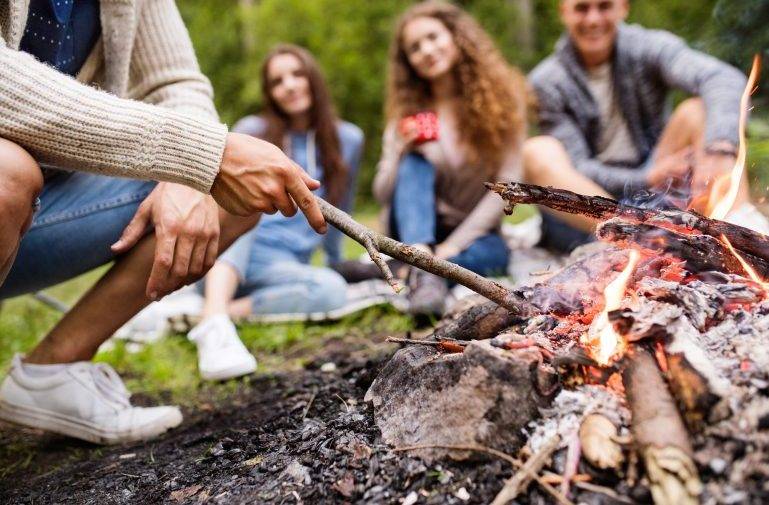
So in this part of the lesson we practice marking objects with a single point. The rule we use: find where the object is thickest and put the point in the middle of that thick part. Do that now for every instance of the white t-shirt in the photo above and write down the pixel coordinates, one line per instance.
(615, 145)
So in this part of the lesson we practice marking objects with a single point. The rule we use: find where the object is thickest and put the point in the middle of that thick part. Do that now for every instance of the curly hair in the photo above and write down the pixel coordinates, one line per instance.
(493, 98)
(323, 119)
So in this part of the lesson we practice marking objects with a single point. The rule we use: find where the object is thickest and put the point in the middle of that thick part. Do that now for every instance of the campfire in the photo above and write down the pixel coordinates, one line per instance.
(640, 370)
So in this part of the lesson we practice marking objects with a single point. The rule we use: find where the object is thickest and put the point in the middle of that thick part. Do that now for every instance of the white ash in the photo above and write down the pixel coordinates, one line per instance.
(565, 414)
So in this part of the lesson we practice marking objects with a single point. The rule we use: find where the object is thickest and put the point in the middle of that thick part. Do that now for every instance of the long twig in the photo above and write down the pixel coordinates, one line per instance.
(516, 463)
(516, 484)
(376, 244)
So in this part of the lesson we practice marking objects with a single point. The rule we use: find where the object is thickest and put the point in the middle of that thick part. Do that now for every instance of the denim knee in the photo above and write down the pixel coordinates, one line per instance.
(328, 291)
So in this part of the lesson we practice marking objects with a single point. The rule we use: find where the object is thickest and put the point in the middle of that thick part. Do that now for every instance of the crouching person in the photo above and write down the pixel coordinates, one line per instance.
(268, 270)
(77, 190)
(603, 100)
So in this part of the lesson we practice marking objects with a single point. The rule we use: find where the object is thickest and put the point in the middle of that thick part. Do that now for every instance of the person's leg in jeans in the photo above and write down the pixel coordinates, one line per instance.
(414, 221)
(20, 183)
(279, 283)
(81, 215)
(487, 256)
(413, 206)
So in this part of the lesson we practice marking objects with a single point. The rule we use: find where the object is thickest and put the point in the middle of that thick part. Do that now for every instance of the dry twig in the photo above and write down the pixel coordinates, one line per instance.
(376, 244)
(518, 483)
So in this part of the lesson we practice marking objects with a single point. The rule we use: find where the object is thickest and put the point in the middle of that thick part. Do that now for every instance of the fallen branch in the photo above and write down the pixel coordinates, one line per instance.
(518, 483)
(659, 432)
(701, 252)
(506, 457)
(479, 322)
(443, 345)
(376, 244)
(601, 209)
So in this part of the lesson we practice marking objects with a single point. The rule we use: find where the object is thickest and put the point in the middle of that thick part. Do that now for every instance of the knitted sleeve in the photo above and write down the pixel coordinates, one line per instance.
(74, 126)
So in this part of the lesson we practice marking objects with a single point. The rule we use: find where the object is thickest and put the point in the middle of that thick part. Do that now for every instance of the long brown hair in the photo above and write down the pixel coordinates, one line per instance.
(323, 120)
(492, 104)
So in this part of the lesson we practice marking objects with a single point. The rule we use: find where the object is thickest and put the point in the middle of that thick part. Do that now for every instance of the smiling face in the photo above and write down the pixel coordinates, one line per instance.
(289, 85)
(592, 26)
(429, 47)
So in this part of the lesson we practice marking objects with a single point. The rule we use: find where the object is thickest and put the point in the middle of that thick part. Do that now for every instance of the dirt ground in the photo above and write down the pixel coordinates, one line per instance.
(298, 437)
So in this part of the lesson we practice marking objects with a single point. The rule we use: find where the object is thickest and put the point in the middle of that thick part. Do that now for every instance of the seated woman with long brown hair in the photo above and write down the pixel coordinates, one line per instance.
(430, 177)
(267, 271)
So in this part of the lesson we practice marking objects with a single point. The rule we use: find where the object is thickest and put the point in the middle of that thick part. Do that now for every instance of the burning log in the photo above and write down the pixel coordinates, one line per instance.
(479, 322)
(701, 252)
(376, 243)
(659, 432)
(697, 386)
(600, 208)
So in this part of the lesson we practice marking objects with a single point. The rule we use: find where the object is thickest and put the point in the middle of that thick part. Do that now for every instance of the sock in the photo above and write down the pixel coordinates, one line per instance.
(34, 370)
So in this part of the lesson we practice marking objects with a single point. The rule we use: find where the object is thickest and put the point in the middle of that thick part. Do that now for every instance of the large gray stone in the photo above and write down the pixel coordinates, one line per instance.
(483, 396)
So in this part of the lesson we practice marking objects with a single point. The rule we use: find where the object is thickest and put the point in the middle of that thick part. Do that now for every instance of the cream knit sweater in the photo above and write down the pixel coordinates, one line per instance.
(154, 119)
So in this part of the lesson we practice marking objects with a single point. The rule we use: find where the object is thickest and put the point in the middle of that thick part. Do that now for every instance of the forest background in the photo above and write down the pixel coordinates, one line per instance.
(350, 38)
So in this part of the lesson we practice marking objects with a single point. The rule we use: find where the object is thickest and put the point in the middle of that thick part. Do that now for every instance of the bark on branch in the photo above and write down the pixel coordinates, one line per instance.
(376, 244)
(659, 432)
(600, 208)
(701, 252)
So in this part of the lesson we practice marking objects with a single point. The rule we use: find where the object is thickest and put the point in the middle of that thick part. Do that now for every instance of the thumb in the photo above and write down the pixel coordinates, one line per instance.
(134, 231)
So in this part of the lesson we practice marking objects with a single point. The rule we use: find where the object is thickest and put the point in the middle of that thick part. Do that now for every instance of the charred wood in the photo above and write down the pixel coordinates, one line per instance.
(701, 252)
(479, 322)
(600, 208)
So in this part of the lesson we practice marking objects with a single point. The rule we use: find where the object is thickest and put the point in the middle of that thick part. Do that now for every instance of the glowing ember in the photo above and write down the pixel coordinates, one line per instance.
(725, 188)
(748, 270)
(601, 340)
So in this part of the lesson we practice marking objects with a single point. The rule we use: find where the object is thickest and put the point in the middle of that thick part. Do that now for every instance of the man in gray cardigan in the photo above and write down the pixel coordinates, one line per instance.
(603, 109)
(111, 150)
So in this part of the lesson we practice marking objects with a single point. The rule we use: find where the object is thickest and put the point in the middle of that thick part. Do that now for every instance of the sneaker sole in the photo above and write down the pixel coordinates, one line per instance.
(31, 417)
(229, 373)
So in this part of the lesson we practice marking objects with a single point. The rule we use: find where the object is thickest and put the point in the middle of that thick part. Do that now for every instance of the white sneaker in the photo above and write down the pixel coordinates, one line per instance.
(221, 354)
(82, 400)
(152, 322)
(749, 216)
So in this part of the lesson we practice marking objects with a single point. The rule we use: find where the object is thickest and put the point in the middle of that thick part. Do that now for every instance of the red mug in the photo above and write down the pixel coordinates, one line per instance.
(426, 124)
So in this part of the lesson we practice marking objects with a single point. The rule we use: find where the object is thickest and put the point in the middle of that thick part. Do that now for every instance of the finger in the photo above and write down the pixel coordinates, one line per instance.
(284, 204)
(161, 266)
(198, 258)
(180, 269)
(306, 202)
(311, 183)
(212, 252)
(133, 231)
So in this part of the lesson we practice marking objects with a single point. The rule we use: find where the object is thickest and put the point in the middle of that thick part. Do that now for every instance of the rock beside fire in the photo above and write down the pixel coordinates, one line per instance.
(482, 396)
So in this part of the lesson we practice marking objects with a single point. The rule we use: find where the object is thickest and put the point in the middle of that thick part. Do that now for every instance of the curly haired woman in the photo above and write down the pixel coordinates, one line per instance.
(442, 62)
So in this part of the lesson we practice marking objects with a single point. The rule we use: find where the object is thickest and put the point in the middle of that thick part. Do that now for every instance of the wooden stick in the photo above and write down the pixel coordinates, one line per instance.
(518, 483)
(504, 456)
(601, 208)
(659, 432)
(376, 243)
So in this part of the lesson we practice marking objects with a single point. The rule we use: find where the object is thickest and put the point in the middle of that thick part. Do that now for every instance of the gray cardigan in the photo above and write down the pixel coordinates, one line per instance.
(646, 65)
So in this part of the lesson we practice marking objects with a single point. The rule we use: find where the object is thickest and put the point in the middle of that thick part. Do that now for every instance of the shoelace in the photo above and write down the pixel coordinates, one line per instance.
(109, 384)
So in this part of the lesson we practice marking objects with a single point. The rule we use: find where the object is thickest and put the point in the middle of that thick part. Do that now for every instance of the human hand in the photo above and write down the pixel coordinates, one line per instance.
(712, 164)
(186, 225)
(256, 176)
(672, 166)
(406, 135)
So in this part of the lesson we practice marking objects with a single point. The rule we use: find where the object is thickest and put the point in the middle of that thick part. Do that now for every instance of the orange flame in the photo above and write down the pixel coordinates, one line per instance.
(725, 188)
(601, 340)
(748, 269)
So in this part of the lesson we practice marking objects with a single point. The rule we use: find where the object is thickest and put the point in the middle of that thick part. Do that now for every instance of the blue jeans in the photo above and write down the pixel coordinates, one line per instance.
(80, 216)
(414, 219)
(279, 282)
